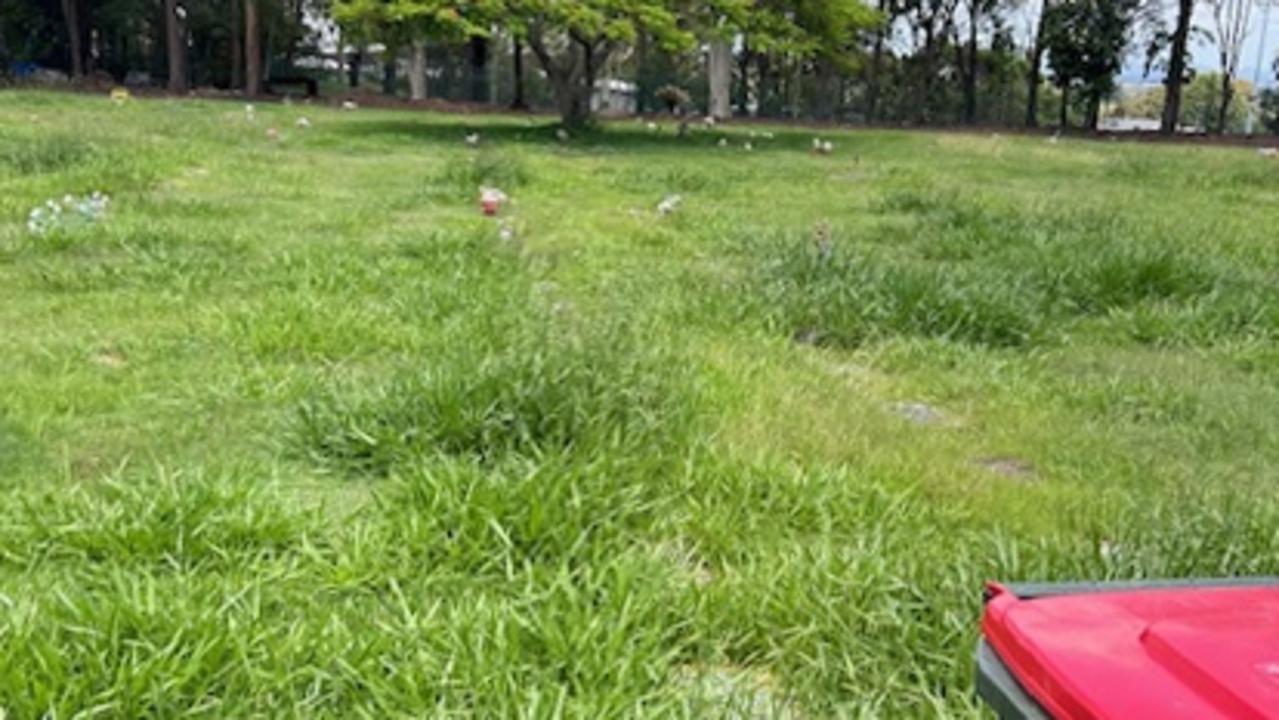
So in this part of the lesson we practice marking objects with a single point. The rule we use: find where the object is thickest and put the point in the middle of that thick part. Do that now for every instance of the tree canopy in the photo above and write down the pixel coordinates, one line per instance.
(918, 61)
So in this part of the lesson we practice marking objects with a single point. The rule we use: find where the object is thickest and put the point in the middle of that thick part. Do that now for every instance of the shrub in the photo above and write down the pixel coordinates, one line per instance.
(673, 97)
(1270, 109)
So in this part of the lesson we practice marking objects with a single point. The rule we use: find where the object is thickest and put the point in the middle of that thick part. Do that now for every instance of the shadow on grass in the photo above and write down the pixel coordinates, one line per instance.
(628, 135)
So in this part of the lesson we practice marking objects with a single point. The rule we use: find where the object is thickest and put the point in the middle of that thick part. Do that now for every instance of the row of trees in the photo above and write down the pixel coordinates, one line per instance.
(919, 61)
(1201, 101)
(218, 43)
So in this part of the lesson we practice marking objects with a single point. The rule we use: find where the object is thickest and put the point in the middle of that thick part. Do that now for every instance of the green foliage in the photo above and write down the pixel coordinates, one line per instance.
(808, 27)
(399, 22)
(1269, 105)
(1086, 40)
(673, 97)
(1201, 101)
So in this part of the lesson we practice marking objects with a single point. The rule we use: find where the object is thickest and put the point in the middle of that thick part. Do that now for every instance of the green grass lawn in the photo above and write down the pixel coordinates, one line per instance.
(294, 431)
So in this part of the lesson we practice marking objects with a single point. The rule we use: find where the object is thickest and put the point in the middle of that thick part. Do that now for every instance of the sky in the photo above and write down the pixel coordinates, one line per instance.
(1205, 54)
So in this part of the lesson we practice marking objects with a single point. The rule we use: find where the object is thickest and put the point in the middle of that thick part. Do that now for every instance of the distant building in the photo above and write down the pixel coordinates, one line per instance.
(614, 97)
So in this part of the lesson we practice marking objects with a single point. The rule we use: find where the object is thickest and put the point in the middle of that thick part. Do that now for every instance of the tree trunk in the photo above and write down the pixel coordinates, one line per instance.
(1176, 68)
(1227, 94)
(71, 16)
(572, 76)
(389, 58)
(357, 61)
(970, 76)
(719, 68)
(479, 70)
(1064, 117)
(252, 49)
(267, 51)
(586, 90)
(744, 85)
(764, 94)
(340, 51)
(926, 82)
(572, 102)
(793, 87)
(175, 41)
(1033, 78)
(237, 52)
(828, 95)
(1094, 111)
(876, 64)
(517, 59)
(417, 71)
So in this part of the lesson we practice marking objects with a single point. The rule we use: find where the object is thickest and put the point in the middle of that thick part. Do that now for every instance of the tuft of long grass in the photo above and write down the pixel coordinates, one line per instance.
(1016, 293)
(843, 298)
(44, 153)
(532, 391)
(502, 167)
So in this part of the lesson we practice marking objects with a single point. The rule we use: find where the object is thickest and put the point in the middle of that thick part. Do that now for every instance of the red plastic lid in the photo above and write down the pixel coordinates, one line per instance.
(1171, 653)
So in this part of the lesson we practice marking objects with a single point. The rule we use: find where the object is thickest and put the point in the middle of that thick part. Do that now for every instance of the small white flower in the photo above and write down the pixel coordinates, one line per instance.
(472, 139)
(668, 205)
(723, 142)
(747, 146)
(652, 126)
(561, 135)
(71, 211)
(303, 123)
(349, 105)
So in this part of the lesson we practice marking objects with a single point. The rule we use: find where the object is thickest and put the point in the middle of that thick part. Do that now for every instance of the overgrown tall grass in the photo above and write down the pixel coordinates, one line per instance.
(1006, 288)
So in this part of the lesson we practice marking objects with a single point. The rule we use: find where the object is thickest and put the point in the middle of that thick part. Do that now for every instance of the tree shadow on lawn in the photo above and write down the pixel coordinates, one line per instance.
(627, 135)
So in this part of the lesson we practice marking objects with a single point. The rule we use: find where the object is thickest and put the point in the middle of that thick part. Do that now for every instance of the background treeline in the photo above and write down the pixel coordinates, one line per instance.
(991, 62)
